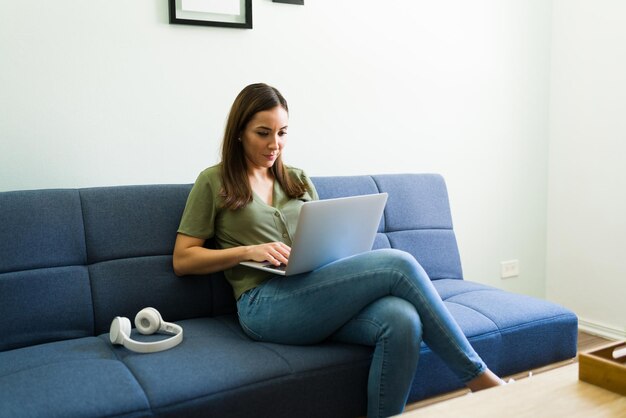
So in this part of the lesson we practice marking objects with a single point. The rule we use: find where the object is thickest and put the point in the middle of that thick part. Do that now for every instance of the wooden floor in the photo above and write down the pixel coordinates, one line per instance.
(586, 342)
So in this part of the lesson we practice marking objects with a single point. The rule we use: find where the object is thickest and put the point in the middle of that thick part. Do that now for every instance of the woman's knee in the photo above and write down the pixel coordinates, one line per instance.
(398, 319)
(399, 260)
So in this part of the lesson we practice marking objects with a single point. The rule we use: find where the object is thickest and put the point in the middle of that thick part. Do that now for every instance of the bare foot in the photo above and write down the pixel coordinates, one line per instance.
(485, 381)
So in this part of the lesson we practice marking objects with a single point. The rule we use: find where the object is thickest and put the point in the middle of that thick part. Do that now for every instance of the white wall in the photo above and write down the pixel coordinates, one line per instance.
(107, 92)
(587, 187)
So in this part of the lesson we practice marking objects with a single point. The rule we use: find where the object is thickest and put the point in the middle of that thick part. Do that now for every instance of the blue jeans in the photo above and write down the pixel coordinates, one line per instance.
(382, 298)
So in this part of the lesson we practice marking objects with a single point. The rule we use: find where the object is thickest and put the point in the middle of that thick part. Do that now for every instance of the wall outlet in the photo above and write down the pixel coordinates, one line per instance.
(509, 269)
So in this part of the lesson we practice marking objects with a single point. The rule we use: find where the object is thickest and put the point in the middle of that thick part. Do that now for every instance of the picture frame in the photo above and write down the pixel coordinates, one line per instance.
(222, 13)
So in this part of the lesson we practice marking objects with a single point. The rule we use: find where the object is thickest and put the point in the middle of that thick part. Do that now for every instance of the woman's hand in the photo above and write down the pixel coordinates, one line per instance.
(276, 253)
(190, 256)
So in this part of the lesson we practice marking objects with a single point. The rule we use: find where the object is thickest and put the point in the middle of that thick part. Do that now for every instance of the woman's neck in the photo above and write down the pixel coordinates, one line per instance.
(260, 174)
(262, 184)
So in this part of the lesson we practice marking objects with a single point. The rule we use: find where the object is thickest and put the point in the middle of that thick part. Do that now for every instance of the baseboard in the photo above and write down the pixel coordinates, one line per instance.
(602, 330)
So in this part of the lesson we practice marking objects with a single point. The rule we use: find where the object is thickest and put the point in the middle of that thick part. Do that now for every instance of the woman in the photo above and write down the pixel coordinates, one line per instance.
(249, 203)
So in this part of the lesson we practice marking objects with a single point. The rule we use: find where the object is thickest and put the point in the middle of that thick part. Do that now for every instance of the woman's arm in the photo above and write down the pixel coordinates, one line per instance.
(190, 256)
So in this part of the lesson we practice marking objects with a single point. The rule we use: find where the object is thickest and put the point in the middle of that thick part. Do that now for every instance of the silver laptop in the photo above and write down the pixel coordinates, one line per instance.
(329, 230)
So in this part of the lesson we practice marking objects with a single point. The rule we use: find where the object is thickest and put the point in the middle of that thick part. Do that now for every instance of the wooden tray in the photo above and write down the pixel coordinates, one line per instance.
(600, 367)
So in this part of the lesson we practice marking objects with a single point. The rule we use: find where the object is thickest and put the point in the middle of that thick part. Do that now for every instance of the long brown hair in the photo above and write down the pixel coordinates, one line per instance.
(236, 190)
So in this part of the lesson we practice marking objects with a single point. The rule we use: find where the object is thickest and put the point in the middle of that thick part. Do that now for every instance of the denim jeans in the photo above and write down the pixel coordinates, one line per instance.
(381, 298)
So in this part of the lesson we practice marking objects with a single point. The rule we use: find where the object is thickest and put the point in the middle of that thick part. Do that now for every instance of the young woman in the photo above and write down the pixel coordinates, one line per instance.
(249, 203)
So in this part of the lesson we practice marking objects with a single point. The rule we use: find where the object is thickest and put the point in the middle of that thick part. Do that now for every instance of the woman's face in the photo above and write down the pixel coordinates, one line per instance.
(264, 137)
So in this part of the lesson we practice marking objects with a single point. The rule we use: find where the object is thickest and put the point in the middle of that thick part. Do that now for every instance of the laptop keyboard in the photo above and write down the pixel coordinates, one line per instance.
(282, 267)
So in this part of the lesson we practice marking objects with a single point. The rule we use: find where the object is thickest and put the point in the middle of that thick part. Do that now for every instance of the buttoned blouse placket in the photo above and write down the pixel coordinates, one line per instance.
(281, 227)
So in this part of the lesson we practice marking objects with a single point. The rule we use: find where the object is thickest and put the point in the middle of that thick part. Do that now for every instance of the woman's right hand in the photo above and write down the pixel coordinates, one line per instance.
(190, 256)
(276, 253)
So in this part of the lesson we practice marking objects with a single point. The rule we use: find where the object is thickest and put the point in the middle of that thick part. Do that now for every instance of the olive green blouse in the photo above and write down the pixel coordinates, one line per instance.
(257, 223)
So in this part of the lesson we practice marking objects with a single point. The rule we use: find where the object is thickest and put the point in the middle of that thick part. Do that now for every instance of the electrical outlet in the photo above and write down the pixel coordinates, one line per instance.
(509, 269)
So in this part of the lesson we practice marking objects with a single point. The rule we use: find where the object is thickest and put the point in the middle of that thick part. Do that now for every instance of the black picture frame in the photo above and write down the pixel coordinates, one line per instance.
(301, 2)
(198, 17)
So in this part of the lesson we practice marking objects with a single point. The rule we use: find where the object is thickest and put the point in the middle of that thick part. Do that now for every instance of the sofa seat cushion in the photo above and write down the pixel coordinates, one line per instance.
(533, 332)
(79, 378)
(218, 368)
(511, 332)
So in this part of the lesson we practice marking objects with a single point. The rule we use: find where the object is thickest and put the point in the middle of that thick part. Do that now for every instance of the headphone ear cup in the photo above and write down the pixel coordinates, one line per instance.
(120, 329)
(148, 321)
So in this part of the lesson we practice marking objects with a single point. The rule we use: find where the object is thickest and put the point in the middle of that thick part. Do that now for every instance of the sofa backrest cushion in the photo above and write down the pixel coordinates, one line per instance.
(130, 233)
(45, 293)
(418, 220)
(417, 217)
(41, 228)
(131, 221)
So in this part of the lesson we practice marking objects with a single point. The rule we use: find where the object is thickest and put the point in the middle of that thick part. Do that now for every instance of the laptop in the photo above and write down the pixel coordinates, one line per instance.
(329, 230)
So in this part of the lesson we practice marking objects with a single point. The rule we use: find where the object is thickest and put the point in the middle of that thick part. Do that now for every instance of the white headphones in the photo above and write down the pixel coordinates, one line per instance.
(148, 321)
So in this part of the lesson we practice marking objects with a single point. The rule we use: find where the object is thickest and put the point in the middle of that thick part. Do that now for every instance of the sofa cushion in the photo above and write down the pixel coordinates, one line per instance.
(43, 305)
(343, 186)
(79, 377)
(381, 241)
(426, 234)
(533, 332)
(41, 228)
(423, 196)
(124, 287)
(219, 367)
(332, 187)
(435, 249)
(510, 340)
(132, 221)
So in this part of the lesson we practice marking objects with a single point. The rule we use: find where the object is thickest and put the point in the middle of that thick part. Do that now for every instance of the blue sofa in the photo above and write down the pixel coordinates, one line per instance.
(72, 260)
